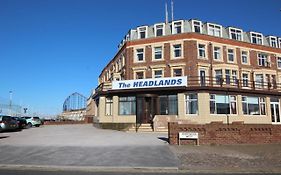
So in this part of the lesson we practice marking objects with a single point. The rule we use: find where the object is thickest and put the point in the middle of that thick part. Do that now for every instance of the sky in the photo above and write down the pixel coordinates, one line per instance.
(50, 49)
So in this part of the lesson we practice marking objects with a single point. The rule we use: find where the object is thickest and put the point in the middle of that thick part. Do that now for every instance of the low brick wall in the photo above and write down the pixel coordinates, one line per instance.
(218, 133)
(63, 122)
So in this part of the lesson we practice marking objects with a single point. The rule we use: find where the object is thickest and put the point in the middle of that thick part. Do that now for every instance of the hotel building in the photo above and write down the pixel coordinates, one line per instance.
(192, 72)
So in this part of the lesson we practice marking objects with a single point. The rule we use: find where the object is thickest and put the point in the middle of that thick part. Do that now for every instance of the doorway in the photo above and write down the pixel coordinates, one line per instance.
(145, 109)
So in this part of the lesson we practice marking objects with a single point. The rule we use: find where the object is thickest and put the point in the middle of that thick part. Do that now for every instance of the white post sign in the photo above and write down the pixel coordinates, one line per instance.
(189, 135)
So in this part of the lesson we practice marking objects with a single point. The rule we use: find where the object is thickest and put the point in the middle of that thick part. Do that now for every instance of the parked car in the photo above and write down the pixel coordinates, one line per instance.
(7, 123)
(21, 122)
(33, 121)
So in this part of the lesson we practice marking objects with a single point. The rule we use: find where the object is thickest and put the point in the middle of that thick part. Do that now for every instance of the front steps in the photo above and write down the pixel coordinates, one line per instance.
(145, 127)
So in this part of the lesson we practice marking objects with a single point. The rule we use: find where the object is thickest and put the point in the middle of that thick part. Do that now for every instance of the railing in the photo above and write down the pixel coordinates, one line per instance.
(197, 81)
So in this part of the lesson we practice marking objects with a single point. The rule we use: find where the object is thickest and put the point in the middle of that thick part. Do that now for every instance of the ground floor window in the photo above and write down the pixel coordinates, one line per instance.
(223, 104)
(108, 105)
(253, 105)
(168, 104)
(127, 105)
(191, 104)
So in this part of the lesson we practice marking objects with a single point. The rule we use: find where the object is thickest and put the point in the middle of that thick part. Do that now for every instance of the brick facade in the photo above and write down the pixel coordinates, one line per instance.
(218, 133)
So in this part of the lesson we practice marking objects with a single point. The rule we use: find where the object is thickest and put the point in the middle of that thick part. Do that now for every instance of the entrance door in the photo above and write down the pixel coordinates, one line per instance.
(202, 77)
(275, 113)
(145, 109)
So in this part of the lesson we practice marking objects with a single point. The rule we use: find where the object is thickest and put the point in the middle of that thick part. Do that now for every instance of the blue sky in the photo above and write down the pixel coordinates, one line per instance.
(52, 48)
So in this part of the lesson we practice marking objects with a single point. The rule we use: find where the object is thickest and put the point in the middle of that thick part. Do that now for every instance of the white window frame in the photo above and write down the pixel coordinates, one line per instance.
(273, 39)
(188, 101)
(214, 28)
(244, 55)
(173, 50)
(261, 102)
(220, 53)
(136, 55)
(193, 25)
(108, 106)
(139, 31)
(279, 42)
(247, 80)
(234, 55)
(162, 53)
(163, 29)
(153, 71)
(228, 99)
(205, 50)
(173, 69)
(266, 62)
(278, 61)
(256, 33)
(173, 26)
(236, 32)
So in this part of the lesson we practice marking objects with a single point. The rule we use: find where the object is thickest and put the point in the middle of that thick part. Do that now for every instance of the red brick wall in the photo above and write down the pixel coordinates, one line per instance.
(217, 133)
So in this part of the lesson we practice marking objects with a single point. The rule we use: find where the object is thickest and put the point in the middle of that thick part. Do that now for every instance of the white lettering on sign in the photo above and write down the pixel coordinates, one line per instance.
(188, 135)
(150, 83)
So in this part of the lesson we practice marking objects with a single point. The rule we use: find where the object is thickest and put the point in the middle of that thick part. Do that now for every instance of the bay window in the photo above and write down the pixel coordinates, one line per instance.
(191, 103)
(253, 105)
(168, 104)
(127, 105)
(223, 104)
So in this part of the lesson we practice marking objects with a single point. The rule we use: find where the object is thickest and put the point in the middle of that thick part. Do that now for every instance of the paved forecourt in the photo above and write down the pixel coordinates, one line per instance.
(84, 145)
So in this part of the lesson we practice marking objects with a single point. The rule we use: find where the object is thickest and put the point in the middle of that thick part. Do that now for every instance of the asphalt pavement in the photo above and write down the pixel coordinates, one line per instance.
(86, 146)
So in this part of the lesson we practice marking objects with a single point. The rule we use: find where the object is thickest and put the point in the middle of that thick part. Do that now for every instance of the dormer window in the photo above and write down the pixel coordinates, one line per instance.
(256, 38)
(196, 26)
(236, 34)
(177, 27)
(273, 41)
(214, 29)
(159, 29)
(142, 32)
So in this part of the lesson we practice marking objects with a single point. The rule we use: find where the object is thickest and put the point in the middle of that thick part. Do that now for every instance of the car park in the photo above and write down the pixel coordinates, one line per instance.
(7, 123)
(33, 121)
(21, 122)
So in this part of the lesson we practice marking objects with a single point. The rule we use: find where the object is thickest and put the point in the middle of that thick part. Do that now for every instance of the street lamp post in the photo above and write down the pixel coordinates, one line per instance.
(10, 106)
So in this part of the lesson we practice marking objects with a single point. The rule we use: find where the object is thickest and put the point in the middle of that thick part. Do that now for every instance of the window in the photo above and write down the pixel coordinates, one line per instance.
(108, 105)
(262, 60)
(273, 41)
(244, 57)
(202, 50)
(222, 104)
(279, 39)
(158, 74)
(142, 32)
(158, 53)
(227, 76)
(196, 26)
(177, 50)
(177, 72)
(139, 55)
(177, 27)
(235, 34)
(218, 76)
(253, 105)
(217, 53)
(234, 77)
(140, 75)
(256, 38)
(127, 105)
(259, 81)
(159, 29)
(214, 30)
(230, 55)
(279, 62)
(191, 104)
(168, 104)
(245, 79)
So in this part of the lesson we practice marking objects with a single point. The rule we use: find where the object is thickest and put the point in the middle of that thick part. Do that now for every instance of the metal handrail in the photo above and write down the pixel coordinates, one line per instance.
(209, 81)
